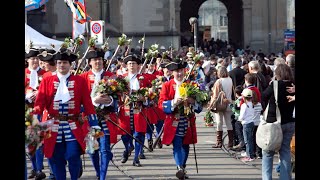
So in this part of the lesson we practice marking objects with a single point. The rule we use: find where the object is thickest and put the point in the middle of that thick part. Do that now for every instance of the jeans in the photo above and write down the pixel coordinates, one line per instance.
(239, 131)
(180, 151)
(284, 153)
(256, 149)
(248, 138)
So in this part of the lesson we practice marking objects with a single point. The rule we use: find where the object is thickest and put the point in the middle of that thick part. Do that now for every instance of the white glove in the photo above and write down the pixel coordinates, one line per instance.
(96, 127)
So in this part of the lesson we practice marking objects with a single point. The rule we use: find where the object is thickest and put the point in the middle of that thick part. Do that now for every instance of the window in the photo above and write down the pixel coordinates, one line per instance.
(223, 21)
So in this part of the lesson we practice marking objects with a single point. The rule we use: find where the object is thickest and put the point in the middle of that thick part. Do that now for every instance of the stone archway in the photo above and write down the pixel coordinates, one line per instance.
(190, 8)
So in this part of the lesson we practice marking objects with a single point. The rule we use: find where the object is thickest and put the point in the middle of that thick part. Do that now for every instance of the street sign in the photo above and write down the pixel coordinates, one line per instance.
(97, 29)
(289, 41)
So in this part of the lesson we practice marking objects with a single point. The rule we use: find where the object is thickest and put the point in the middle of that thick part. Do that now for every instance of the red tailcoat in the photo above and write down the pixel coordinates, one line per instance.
(167, 94)
(79, 95)
(89, 76)
(140, 122)
(154, 113)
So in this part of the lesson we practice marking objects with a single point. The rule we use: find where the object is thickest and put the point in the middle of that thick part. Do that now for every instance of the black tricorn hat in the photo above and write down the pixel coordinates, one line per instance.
(132, 57)
(152, 60)
(176, 64)
(165, 61)
(32, 53)
(95, 53)
(47, 54)
(65, 54)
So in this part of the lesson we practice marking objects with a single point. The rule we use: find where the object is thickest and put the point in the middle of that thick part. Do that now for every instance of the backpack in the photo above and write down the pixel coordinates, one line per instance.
(220, 103)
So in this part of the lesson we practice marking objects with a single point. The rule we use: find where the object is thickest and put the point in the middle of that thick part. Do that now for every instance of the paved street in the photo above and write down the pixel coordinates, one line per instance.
(159, 164)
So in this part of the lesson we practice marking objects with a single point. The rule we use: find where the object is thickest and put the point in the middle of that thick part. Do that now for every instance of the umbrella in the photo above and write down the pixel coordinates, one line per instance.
(33, 4)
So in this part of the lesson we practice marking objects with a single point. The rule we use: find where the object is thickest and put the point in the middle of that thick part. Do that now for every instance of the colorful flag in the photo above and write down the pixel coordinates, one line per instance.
(78, 9)
(77, 28)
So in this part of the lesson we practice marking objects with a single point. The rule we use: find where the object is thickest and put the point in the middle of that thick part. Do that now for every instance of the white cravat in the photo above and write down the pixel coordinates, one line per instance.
(34, 78)
(177, 93)
(62, 91)
(97, 78)
(134, 83)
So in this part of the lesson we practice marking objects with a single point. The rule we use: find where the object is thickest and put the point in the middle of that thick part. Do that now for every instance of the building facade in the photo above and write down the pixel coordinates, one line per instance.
(258, 23)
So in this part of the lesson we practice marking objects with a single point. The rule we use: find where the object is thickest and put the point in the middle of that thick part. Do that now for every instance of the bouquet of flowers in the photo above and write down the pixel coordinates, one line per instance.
(135, 96)
(35, 132)
(154, 91)
(192, 89)
(91, 140)
(114, 86)
(208, 119)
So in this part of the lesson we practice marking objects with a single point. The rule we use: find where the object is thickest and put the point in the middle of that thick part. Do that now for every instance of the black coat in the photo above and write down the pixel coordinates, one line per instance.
(285, 107)
(237, 76)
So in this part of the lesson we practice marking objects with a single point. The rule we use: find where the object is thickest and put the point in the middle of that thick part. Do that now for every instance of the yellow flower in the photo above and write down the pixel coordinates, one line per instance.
(27, 123)
(182, 91)
(113, 88)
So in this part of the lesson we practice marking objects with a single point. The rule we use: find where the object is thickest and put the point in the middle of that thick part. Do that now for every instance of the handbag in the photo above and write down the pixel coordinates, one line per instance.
(220, 103)
(269, 135)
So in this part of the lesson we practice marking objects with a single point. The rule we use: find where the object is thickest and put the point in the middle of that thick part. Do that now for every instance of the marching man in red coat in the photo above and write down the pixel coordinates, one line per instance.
(107, 106)
(179, 128)
(33, 77)
(62, 95)
(132, 117)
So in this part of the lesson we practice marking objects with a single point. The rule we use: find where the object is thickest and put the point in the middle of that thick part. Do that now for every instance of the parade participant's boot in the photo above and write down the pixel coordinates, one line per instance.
(185, 172)
(159, 144)
(219, 140)
(230, 136)
(180, 173)
(130, 150)
(40, 175)
(136, 163)
(32, 173)
(141, 155)
(150, 144)
(124, 157)
(51, 176)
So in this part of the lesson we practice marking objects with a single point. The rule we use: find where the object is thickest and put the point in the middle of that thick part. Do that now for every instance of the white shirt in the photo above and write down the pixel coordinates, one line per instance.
(246, 113)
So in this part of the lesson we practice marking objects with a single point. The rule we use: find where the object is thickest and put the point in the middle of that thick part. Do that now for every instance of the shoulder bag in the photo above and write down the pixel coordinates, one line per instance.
(269, 135)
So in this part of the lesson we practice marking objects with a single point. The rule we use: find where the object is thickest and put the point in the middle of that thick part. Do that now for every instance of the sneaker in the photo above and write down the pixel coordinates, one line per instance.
(243, 154)
(247, 159)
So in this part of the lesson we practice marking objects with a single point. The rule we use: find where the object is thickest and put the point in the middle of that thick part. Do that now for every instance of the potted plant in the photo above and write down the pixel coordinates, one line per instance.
(208, 119)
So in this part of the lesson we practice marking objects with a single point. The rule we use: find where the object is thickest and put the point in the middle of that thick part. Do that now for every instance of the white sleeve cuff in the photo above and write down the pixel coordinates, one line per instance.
(106, 105)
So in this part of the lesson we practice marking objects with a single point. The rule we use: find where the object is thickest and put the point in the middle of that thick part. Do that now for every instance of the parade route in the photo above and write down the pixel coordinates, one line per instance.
(159, 164)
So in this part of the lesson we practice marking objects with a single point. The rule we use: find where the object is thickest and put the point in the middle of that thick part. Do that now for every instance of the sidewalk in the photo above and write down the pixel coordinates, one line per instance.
(159, 164)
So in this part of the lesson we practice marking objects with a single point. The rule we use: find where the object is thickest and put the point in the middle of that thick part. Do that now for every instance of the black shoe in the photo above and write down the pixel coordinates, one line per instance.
(32, 174)
(180, 174)
(159, 144)
(80, 172)
(51, 176)
(142, 156)
(40, 175)
(124, 158)
(136, 163)
(150, 145)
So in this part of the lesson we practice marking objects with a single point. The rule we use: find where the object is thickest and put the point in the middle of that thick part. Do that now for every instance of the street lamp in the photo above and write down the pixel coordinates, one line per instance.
(194, 28)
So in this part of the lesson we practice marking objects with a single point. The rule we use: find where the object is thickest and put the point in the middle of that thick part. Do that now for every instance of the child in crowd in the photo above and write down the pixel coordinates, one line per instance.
(237, 123)
(246, 116)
